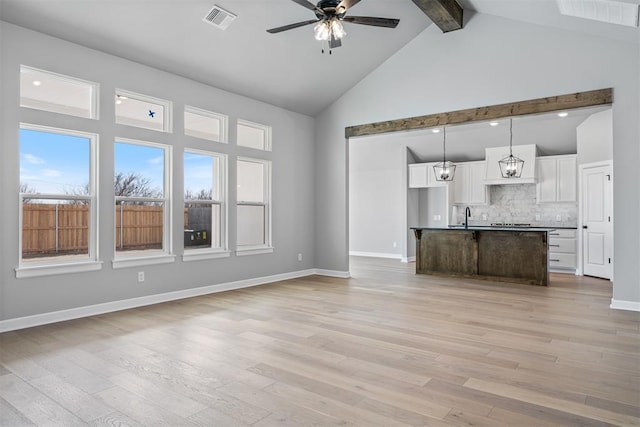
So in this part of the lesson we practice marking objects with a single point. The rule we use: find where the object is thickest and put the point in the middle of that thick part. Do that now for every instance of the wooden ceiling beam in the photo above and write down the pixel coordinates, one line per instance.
(446, 14)
(492, 112)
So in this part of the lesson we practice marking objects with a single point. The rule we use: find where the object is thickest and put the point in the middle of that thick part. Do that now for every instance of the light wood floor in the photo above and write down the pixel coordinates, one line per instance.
(383, 348)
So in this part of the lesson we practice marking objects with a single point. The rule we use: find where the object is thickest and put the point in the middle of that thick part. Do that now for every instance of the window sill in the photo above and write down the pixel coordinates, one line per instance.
(254, 250)
(195, 255)
(141, 261)
(25, 271)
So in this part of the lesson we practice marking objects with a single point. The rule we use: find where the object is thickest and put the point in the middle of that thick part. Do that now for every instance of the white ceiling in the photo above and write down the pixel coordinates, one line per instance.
(286, 69)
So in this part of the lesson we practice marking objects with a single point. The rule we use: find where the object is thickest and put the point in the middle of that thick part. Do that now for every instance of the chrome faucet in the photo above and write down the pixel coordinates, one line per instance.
(467, 215)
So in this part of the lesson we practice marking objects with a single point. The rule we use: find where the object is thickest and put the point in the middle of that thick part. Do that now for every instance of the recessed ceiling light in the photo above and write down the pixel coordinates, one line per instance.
(37, 82)
(493, 123)
(563, 114)
(435, 130)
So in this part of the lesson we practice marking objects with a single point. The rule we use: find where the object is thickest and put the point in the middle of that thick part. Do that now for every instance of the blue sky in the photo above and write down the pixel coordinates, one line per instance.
(52, 163)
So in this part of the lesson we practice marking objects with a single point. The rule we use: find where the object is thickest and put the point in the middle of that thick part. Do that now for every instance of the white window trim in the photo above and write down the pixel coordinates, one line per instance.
(223, 251)
(265, 128)
(167, 126)
(50, 265)
(224, 123)
(267, 247)
(159, 256)
(95, 92)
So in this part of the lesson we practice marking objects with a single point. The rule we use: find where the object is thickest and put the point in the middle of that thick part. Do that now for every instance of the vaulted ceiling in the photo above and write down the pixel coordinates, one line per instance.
(286, 69)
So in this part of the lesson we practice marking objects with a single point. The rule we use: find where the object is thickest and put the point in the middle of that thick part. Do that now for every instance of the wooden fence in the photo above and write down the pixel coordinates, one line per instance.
(63, 229)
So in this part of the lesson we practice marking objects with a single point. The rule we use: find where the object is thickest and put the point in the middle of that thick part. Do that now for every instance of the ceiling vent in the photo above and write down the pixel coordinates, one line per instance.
(220, 18)
(612, 12)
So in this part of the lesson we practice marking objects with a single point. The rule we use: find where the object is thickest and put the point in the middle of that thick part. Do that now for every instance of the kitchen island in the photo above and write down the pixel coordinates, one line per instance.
(501, 254)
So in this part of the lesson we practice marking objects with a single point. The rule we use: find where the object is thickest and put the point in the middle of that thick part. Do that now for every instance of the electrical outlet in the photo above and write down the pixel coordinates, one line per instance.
(395, 244)
(140, 276)
(484, 217)
(299, 257)
(558, 217)
(537, 217)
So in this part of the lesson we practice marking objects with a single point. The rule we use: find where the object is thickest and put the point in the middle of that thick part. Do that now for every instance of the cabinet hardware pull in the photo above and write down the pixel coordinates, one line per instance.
(555, 246)
(554, 234)
(555, 260)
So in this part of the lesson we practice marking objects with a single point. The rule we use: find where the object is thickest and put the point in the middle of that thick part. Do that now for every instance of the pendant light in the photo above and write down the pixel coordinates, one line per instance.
(511, 166)
(444, 170)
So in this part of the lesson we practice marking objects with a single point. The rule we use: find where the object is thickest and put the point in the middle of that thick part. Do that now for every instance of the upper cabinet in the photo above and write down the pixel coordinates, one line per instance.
(556, 179)
(468, 184)
(421, 175)
(524, 152)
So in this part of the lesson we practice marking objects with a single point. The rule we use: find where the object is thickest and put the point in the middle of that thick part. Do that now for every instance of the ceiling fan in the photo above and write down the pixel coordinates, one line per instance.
(330, 14)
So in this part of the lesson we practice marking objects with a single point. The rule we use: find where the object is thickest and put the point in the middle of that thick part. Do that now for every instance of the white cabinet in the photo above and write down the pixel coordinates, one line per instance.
(495, 154)
(562, 250)
(421, 175)
(468, 184)
(556, 179)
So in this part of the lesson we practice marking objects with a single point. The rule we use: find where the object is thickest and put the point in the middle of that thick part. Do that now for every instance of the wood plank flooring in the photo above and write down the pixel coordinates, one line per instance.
(383, 348)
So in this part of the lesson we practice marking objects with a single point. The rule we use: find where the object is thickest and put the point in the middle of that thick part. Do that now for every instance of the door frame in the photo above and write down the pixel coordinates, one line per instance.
(581, 168)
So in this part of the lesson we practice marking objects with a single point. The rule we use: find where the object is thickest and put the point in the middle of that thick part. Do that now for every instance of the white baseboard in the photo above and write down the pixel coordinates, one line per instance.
(375, 254)
(625, 305)
(108, 307)
(332, 273)
(408, 259)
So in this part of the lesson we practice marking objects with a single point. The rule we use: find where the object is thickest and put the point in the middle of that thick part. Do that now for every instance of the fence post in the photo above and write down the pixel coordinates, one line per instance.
(56, 228)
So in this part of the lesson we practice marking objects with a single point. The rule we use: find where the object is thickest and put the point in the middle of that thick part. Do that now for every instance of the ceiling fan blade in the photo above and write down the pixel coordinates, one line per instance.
(291, 26)
(334, 42)
(346, 4)
(309, 5)
(370, 20)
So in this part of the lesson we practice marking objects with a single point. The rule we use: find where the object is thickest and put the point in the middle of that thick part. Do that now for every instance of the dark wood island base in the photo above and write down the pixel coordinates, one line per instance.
(505, 255)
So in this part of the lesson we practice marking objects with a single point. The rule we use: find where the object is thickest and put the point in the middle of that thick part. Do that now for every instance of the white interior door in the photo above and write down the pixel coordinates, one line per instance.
(596, 221)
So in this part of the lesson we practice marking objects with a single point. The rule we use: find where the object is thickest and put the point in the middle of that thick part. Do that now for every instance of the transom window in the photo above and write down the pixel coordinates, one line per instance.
(205, 124)
(57, 197)
(143, 111)
(253, 135)
(44, 90)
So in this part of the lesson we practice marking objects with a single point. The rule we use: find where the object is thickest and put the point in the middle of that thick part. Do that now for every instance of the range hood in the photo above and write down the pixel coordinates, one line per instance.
(494, 154)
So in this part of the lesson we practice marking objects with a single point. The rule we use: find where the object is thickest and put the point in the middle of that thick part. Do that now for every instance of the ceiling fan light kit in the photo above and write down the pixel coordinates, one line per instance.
(330, 15)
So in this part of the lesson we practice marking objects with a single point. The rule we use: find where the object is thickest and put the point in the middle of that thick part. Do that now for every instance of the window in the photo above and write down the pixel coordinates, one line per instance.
(205, 124)
(58, 219)
(53, 92)
(254, 135)
(142, 210)
(253, 206)
(204, 205)
(143, 111)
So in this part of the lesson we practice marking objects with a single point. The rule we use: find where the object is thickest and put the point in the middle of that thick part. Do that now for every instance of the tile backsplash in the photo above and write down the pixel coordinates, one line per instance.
(516, 203)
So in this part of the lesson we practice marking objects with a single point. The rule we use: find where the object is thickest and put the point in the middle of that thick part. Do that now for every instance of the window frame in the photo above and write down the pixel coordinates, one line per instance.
(94, 86)
(223, 250)
(222, 118)
(165, 255)
(265, 128)
(51, 266)
(167, 125)
(267, 247)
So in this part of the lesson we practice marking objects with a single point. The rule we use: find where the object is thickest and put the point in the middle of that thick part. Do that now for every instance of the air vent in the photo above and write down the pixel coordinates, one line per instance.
(220, 18)
(612, 12)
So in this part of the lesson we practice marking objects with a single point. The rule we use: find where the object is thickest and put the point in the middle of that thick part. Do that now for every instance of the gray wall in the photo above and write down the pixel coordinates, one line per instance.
(293, 178)
(491, 61)
(595, 138)
(376, 206)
